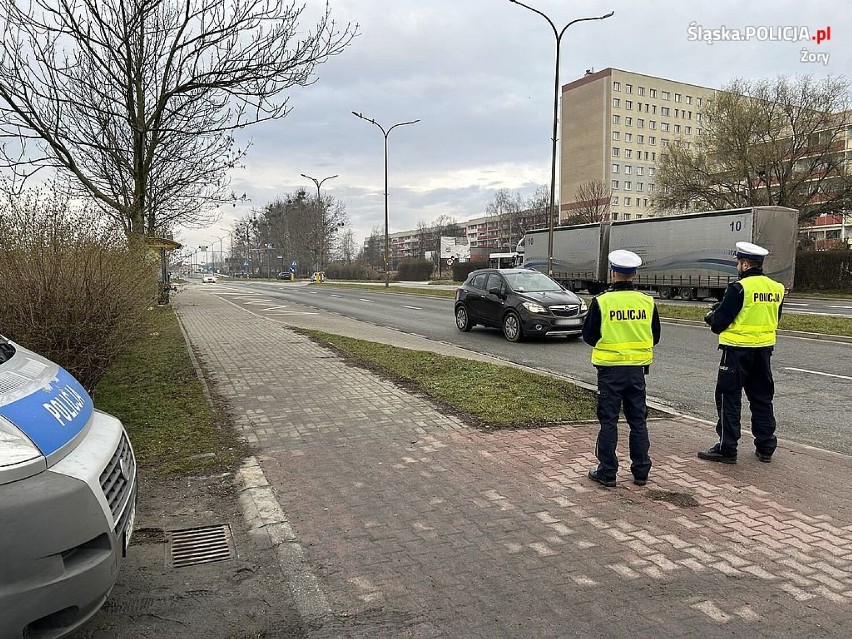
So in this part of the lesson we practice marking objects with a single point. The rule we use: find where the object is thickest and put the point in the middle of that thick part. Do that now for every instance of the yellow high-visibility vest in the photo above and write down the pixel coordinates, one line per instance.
(756, 323)
(626, 336)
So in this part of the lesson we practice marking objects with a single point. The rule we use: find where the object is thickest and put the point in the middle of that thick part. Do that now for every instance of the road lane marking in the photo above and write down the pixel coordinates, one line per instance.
(795, 304)
(416, 308)
(363, 300)
(272, 308)
(804, 370)
(294, 313)
(840, 307)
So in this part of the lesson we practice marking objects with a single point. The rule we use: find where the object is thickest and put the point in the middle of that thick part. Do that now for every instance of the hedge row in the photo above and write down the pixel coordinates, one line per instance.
(824, 270)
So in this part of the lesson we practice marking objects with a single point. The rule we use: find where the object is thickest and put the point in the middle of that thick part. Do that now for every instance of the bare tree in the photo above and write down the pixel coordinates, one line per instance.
(137, 101)
(779, 142)
(592, 202)
(504, 212)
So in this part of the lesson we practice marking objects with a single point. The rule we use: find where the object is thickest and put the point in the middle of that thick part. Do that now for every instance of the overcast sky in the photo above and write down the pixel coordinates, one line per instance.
(479, 76)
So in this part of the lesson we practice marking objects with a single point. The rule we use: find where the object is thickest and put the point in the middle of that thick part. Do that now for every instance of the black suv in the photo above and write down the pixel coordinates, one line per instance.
(520, 301)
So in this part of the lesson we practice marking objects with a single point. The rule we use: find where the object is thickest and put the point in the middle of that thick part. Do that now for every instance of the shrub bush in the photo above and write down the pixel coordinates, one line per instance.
(414, 270)
(824, 270)
(357, 270)
(73, 289)
(462, 269)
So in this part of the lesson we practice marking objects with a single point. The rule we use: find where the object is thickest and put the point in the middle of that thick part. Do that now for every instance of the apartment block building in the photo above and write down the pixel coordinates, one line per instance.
(615, 123)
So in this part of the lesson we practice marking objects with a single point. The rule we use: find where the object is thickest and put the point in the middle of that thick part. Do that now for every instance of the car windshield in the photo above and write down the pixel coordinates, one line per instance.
(531, 282)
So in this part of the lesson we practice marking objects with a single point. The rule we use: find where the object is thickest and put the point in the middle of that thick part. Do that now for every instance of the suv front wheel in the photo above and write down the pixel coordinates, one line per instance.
(512, 327)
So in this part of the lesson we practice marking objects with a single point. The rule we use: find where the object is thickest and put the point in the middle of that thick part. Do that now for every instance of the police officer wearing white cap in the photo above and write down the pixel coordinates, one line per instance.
(622, 326)
(746, 321)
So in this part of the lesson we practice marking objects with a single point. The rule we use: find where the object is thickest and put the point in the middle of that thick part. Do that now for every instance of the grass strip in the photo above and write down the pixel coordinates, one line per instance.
(487, 395)
(155, 392)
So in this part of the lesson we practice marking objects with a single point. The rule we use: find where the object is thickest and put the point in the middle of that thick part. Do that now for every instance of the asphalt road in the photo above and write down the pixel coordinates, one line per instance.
(813, 377)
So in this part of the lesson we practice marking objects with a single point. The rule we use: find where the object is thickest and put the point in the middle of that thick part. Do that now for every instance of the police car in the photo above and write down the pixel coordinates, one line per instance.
(67, 498)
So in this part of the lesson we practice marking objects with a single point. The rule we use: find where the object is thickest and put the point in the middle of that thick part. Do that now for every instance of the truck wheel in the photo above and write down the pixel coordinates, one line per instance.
(665, 293)
(462, 319)
(512, 327)
(687, 294)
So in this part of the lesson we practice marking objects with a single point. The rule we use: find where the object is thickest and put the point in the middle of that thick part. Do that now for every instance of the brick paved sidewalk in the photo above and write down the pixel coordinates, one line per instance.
(419, 526)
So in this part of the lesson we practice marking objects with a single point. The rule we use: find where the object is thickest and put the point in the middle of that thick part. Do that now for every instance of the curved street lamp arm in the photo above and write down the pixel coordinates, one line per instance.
(604, 17)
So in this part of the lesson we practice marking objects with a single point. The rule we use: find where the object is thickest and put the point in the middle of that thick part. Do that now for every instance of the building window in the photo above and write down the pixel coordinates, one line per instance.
(627, 216)
(640, 123)
(689, 99)
(640, 170)
(664, 126)
(615, 200)
(698, 101)
(652, 93)
(689, 116)
(652, 124)
(627, 201)
(628, 137)
(664, 111)
(638, 188)
(627, 169)
(697, 131)
(651, 172)
(654, 108)
(616, 86)
(615, 151)
(615, 168)
(664, 142)
(628, 153)
(616, 135)
(677, 97)
(677, 128)
(627, 184)
(650, 188)
(687, 130)
(616, 119)
(646, 155)
(665, 95)
(628, 121)
(614, 185)
(698, 117)
(614, 215)
(652, 140)
(628, 104)
(616, 102)
(653, 156)
(640, 138)
(641, 90)
(628, 88)
(645, 201)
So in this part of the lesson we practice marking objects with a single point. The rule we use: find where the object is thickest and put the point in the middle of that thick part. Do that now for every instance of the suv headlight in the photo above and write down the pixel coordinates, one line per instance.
(15, 447)
(583, 306)
(534, 307)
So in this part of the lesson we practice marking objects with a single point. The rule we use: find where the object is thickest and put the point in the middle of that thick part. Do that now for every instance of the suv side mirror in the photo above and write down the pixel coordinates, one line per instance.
(495, 290)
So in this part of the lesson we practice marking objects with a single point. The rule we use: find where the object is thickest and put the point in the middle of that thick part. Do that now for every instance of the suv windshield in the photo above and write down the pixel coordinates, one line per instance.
(532, 282)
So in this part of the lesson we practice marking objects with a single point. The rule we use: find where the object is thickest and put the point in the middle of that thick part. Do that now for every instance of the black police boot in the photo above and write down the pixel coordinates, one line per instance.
(595, 476)
(764, 457)
(640, 481)
(715, 454)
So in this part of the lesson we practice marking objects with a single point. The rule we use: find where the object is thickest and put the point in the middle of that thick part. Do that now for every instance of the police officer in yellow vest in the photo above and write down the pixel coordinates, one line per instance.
(746, 321)
(622, 327)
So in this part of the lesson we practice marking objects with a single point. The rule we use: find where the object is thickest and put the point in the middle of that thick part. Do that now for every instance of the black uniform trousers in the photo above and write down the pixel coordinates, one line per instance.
(625, 385)
(745, 369)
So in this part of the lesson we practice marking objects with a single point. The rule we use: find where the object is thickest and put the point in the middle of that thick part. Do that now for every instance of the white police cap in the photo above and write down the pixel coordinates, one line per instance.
(622, 261)
(749, 251)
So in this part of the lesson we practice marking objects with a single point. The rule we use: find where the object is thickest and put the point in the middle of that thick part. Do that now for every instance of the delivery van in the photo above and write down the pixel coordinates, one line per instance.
(67, 498)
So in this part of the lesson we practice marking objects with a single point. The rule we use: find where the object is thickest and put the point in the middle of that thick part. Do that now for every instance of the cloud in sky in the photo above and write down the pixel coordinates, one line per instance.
(479, 75)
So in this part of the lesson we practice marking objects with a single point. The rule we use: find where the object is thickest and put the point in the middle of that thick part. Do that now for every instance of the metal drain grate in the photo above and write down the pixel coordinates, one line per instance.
(202, 545)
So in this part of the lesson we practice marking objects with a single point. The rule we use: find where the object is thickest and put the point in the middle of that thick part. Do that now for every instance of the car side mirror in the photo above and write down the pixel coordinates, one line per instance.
(495, 291)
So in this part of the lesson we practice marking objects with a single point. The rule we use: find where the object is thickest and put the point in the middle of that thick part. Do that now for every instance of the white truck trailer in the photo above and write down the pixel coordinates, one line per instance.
(691, 255)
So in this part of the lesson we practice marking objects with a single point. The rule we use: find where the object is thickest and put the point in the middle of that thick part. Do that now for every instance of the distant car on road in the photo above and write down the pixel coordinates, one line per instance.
(284, 275)
(521, 302)
(208, 278)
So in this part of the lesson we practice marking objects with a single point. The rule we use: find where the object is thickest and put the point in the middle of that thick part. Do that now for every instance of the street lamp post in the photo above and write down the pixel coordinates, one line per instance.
(385, 133)
(230, 233)
(558, 35)
(218, 237)
(322, 217)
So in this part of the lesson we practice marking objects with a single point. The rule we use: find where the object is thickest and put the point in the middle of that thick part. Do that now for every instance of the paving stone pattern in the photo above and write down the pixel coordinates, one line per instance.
(418, 526)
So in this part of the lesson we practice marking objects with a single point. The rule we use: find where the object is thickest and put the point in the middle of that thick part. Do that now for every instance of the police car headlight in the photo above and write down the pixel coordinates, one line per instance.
(583, 306)
(15, 447)
(534, 307)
